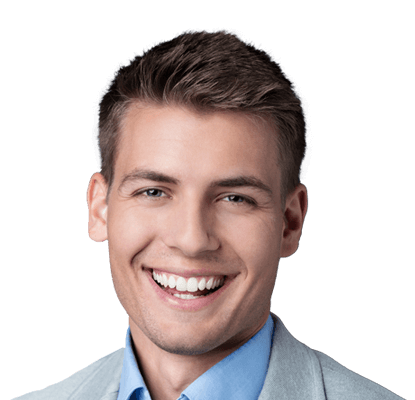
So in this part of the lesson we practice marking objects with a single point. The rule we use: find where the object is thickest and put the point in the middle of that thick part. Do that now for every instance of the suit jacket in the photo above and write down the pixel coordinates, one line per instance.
(295, 372)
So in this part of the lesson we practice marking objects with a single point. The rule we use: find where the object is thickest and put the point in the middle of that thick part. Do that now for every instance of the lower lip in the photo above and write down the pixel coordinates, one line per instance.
(187, 305)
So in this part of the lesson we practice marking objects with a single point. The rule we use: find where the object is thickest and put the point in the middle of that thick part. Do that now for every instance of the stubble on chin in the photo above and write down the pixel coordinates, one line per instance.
(181, 342)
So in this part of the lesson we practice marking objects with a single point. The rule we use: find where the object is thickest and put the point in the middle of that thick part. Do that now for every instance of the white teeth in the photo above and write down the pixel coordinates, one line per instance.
(192, 285)
(187, 285)
(172, 282)
(202, 284)
(186, 296)
(181, 284)
(164, 280)
(209, 284)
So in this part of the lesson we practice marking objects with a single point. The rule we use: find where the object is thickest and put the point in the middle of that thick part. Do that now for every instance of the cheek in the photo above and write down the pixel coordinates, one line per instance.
(129, 232)
(257, 241)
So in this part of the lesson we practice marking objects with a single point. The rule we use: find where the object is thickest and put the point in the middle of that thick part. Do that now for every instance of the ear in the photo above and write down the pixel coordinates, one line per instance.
(295, 210)
(97, 205)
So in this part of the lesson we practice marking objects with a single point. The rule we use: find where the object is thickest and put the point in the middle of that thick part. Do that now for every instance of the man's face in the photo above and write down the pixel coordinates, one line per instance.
(195, 199)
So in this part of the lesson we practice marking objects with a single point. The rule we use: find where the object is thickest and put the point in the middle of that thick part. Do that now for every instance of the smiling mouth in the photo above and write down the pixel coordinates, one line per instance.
(188, 288)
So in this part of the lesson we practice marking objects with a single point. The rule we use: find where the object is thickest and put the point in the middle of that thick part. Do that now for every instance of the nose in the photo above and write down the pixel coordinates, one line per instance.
(191, 229)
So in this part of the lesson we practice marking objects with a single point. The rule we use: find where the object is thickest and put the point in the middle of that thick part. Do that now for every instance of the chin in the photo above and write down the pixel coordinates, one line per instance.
(181, 338)
(184, 349)
(186, 343)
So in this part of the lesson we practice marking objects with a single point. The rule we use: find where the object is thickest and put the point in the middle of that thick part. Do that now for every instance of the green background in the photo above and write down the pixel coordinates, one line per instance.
(348, 291)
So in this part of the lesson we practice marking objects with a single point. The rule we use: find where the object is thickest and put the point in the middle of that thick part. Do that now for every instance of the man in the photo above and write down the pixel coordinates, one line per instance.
(199, 196)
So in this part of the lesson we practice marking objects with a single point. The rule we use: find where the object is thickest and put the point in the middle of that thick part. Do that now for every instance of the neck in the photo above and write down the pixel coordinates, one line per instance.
(167, 374)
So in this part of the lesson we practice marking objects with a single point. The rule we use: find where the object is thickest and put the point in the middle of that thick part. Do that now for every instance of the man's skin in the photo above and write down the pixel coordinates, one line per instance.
(194, 196)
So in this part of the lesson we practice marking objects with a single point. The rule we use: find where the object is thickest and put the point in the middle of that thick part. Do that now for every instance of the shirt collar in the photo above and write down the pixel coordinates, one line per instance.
(131, 378)
(240, 375)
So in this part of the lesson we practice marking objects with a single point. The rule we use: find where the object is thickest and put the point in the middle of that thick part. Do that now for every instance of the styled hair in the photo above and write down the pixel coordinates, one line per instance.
(207, 72)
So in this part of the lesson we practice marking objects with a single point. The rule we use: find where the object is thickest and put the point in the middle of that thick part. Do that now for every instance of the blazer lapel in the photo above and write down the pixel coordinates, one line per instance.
(294, 371)
(104, 382)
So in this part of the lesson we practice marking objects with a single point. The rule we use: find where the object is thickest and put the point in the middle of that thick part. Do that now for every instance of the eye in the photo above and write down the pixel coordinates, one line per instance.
(235, 198)
(153, 192)
(150, 193)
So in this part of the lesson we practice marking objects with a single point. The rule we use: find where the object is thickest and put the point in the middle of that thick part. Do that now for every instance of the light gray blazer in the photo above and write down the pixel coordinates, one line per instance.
(295, 372)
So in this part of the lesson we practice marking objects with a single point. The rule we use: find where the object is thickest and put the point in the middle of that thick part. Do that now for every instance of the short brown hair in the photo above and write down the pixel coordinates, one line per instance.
(207, 72)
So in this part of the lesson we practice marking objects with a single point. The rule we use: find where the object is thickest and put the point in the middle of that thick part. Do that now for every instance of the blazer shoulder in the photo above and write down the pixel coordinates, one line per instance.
(64, 389)
(296, 371)
(340, 383)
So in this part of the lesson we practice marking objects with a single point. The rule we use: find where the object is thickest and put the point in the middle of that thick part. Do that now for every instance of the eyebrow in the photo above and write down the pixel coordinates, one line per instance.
(232, 182)
(150, 175)
(242, 181)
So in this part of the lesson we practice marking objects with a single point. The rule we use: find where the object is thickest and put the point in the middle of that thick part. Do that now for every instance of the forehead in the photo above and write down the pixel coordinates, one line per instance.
(180, 141)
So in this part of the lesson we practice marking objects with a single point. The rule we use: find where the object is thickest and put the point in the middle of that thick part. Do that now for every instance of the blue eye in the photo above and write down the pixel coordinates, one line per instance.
(237, 199)
(153, 192)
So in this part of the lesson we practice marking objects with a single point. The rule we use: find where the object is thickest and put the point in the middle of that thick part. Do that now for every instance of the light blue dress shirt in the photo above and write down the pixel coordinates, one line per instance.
(239, 376)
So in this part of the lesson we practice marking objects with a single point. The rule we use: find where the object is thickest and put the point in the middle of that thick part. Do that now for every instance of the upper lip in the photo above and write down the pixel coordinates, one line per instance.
(187, 273)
